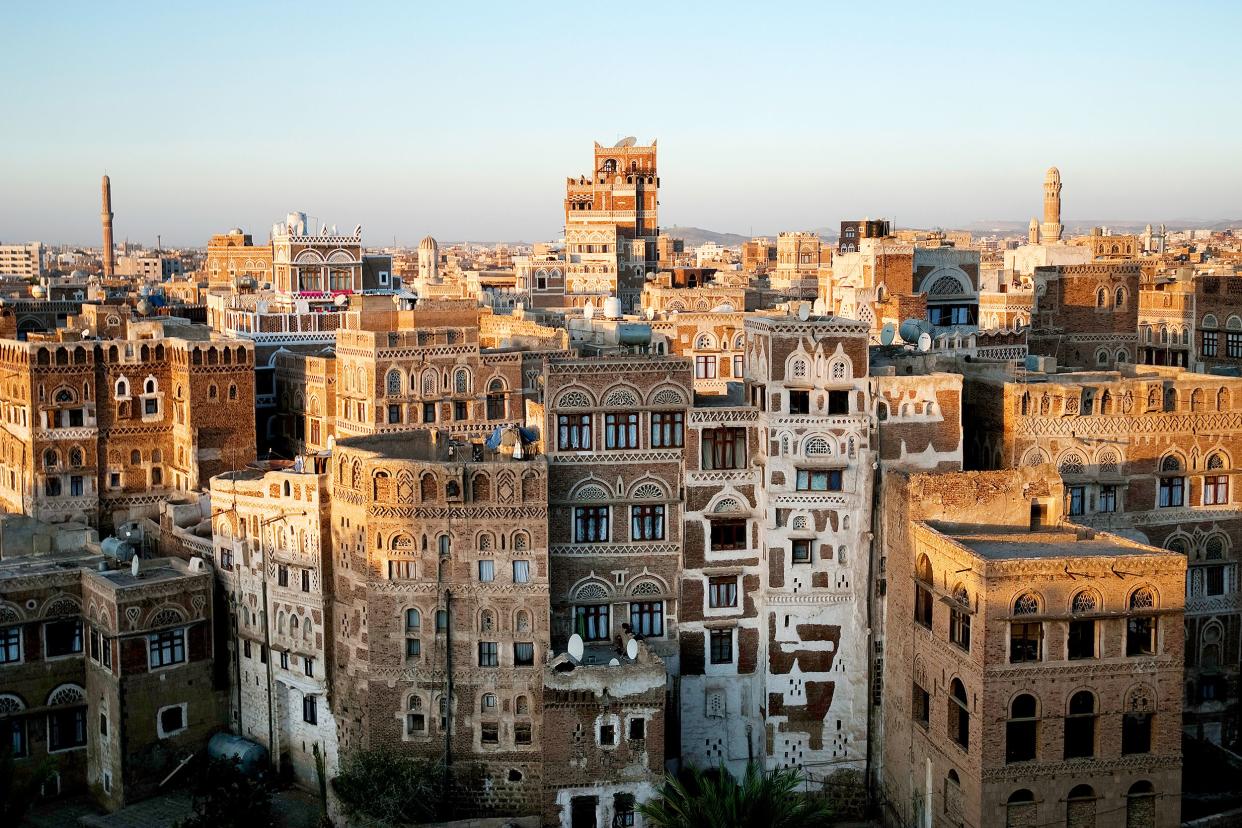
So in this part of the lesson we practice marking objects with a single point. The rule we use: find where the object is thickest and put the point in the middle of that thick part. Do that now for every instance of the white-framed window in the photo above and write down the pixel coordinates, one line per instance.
(166, 648)
(171, 720)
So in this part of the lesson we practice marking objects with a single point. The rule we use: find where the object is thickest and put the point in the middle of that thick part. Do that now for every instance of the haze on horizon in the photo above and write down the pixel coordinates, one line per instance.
(412, 120)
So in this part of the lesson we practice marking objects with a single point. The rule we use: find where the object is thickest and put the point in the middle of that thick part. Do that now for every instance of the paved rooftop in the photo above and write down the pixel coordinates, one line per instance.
(1012, 542)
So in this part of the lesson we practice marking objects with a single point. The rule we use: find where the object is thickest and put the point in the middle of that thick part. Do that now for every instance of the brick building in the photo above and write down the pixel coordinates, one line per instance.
(102, 430)
(108, 676)
(1032, 667)
(1087, 315)
(440, 606)
(799, 259)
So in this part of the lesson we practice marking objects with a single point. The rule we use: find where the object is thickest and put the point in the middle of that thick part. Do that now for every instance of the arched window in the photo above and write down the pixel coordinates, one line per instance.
(1119, 299)
(521, 706)
(1080, 807)
(923, 592)
(1080, 726)
(415, 720)
(1141, 629)
(1025, 636)
(1020, 809)
(959, 617)
(413, 619)
(953, 797)
(122, 387)
(1141, 805)
(427, 487)
(150, 386)
(1101, 298)
(1106, 403)
(50, 459)
(1172, 487)
(1026, 403)
(1170, 399)
(392, 383)
(1022, 729)
(1215, 486)
(461, 381)
(135, 458)
(959, 714)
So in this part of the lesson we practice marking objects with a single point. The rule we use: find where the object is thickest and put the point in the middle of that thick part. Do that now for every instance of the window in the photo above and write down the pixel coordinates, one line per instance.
(441, 621)
(166, 648)
(415, 720)
(722, 646)
(413, 648)
(647, 523)
(523, 654)
(607, 735)
(621, 430)
(489, 733)
(647, 618)
(590, 524)
(705, 367)
(1233, 345)
(1108, 498)
(920, 706)
(838, 402)
(522, 733)
(66, 729)
(1080, 726)
(398, 570)
(62, 638)
(724, 448)
(722, 592)
(10, 645)
(1075, 497)
(819, 480)
(1141, 630)
(591, 622)
(460, 410)
(959, 714)
(1209, 343)
(1215, 489)
(1022, 730)
(14, 734)
(284, 660)
(799, 402)
(574, 432)
(51, 487)
(521, 572)
(800, 550)
(306, 580)
(487, 571)
(1025, 641)
(638, 728)
(923, 592)
(394, 414)
(429, 412)
(728, 534)
(282, 575)
(959, 619)
(1136, 733)
(310, 710)
(171, 720)
(668, 429)
(489, 654)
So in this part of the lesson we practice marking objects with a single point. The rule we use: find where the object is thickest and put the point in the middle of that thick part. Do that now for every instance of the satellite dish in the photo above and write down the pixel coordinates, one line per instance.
(588, 311)
(575, 647)
(628, 141)
(909, 330)
(299, 465)
(331, 442)
(804, 311)
(133, 565)
(650, 314)
(631, 649)
(612, 662)
(886, 335)
(341, 300)
(924, 342)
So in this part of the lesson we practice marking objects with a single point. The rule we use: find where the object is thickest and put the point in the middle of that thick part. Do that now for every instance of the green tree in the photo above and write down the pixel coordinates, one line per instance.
(714, 799)
(18, 789)
(387, 789)
(226, 797)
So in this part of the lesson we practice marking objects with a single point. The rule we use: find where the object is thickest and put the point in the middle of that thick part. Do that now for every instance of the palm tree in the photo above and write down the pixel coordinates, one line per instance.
(714, 799)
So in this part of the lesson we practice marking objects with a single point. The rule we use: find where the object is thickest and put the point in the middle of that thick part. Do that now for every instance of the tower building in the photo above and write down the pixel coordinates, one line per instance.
(105, 215)
(1052, 228)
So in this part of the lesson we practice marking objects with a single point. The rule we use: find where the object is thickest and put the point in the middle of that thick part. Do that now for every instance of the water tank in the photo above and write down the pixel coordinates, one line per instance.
(252, 756)
(634, 333)
(612, 308)
(117, 549)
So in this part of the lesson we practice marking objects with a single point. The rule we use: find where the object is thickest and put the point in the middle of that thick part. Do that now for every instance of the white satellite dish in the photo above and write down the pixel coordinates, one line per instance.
(820, 307)
(588, 311)
(612, 662)
(133, 565)
(631, 649)
(341, 300)
(575, 647)
(331, 442)
(804, 311)
(887, 334)
(650, 314)
(925, 342)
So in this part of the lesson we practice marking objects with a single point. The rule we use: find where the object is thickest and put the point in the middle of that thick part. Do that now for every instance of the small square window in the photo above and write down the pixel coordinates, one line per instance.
(171, 720)
(638, 728)
(489, 733)
(487, 571)
(607, 735)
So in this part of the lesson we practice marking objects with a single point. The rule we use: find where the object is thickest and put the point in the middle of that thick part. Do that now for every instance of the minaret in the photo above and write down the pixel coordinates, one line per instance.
(106, 217)
(1032, 232)
(1052, 229)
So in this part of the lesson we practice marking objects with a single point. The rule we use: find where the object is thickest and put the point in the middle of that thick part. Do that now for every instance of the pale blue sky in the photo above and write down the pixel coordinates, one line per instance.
(462, 119)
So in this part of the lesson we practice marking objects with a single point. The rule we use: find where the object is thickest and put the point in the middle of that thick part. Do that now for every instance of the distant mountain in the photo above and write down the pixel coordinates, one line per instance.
(695, 236)
(1082, 227)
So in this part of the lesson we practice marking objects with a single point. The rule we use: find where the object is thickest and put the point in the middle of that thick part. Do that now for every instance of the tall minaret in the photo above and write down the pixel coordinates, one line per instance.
(106, 217)
(1052, 229)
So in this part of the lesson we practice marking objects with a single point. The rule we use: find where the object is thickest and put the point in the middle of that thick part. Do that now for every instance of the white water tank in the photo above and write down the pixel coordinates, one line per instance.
(612, 308)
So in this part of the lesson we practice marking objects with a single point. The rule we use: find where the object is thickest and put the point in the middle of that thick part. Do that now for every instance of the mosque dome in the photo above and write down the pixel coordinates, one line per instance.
(236, 231)
(77, 274)
(428, 243)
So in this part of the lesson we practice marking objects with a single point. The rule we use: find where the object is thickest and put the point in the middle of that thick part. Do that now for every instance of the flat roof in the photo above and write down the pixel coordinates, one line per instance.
(1015, 542)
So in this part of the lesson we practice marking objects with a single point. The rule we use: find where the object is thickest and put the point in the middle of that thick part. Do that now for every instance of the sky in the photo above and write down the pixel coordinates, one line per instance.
(462, 120)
